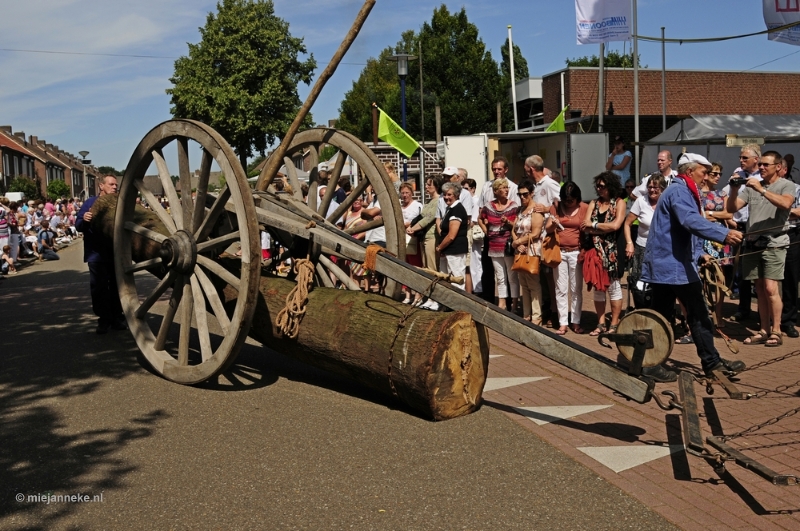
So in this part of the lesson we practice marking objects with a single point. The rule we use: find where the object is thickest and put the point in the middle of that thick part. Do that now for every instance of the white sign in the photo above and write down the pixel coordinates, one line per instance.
(739, 141)
(778, 13)
(599, 21)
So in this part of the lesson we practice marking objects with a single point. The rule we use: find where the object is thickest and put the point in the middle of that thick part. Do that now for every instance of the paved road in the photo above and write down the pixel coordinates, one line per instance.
(286, 447)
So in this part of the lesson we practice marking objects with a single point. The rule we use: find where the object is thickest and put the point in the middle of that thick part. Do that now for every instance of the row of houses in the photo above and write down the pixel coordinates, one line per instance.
(36, 158)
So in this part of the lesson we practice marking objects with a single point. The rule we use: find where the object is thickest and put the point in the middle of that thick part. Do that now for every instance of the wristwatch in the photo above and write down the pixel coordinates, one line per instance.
(763, 192)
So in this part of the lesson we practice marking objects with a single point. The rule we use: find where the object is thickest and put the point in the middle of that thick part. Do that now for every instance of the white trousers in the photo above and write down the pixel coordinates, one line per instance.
(568, 277)
(614, 292)
(454, 264)
(475, 266)
(502, 270)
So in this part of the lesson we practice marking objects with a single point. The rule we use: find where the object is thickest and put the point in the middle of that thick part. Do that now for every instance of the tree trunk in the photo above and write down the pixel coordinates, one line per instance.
(434, 362)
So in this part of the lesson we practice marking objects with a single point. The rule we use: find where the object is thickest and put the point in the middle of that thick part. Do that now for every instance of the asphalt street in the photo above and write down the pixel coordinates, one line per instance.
(273, 445)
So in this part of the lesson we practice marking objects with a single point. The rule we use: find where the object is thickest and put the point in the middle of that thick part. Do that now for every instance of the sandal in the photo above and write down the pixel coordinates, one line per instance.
(685, 340)
(758, 339)
(597, 331)
(561, 331)
(577, 329)
(774, 340)
(613, 329)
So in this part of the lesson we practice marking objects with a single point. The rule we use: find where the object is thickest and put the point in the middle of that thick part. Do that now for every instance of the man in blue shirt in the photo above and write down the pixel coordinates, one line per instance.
(98, 253)
(674, 252)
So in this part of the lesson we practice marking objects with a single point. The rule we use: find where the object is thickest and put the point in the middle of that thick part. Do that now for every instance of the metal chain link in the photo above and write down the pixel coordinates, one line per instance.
(771, 361)
(757, 427)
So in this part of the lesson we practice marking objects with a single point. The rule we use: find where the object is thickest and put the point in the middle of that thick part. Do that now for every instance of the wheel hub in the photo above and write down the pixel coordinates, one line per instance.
(179, 252)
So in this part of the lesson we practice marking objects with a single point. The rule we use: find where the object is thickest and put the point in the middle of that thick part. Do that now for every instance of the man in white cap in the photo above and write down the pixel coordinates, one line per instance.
(322, 170)
(674, 252)
(770, 200)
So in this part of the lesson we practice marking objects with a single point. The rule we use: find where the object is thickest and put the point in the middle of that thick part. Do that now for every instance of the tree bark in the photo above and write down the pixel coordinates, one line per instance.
(434, 362)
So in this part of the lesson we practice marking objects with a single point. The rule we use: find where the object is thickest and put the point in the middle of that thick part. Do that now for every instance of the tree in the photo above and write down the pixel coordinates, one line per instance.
(520, 73)
(57, 188)
(26, 185)
(459, 75)
(110, 170)
(241, 79)
(613, 59)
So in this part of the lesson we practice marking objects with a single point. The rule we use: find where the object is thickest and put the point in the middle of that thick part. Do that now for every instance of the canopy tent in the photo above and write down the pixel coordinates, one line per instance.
(705, 135)
(301, 175)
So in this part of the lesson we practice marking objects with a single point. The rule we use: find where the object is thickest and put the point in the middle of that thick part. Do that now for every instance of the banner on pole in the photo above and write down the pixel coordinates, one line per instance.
(599, 21)
(778, 13)
(395, 136)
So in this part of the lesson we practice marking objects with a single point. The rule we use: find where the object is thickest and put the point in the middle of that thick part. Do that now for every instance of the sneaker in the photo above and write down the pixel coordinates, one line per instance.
(431, 305)
(660, 374)
(728, 367)
(14, 272)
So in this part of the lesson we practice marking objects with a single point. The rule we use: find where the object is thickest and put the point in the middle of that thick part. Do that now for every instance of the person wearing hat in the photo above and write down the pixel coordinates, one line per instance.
(322, 170)
(673, 257)
(763, 259)
(619, 160)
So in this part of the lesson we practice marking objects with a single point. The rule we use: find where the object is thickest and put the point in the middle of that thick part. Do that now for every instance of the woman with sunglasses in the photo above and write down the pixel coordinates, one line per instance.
(526, 238)
(568, 276)
(642, 212)
(602, 222)
(713, 203)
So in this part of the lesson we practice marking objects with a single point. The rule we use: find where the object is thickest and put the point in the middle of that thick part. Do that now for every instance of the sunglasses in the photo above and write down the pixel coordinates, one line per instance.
(600, 186)
(654, 188)
(767, 164)
(524, 194)
(745, 158)
(714, 173)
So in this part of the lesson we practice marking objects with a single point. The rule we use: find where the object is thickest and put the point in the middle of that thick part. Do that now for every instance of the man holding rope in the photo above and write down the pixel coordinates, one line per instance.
(764, 253)
(671, 260)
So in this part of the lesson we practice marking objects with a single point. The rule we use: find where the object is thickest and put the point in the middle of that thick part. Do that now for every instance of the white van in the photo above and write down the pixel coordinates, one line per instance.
(15, 196)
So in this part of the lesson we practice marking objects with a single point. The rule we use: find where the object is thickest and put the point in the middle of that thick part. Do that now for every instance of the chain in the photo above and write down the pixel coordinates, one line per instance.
(771, 361)
(757, 427)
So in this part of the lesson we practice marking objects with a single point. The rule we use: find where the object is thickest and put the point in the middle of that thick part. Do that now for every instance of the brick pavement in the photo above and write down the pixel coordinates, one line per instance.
(644, 444)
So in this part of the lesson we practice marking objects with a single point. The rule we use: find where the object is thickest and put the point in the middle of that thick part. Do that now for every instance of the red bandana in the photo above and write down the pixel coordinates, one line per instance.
(693, 188)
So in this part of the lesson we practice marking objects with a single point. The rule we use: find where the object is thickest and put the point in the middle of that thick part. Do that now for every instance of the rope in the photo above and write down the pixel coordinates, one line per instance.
(371, 256)
(713, 286)
(290, 316)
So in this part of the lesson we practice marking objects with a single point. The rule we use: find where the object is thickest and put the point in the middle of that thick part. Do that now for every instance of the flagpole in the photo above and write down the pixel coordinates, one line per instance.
(636, 88)
(513, 79)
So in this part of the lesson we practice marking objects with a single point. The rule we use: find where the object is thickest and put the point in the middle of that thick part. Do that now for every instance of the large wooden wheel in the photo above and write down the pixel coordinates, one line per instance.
(370, 172)
(176, 338)
(663, 337)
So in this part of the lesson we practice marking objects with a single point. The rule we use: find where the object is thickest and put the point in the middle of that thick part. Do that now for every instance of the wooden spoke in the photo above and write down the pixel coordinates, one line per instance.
(217, 243)
(218, 270)
(187, 305)
(349, 200)
(151, 299)
(337, 168)
(141, 266)
(293, 180)
(143, 231)
(202, 191)
(337, 271)
(369, 225)
(169, 188)
(213, 299)
(328, 197)
(186, 182)
(155, 205)
(324, 277)
(313, 163)
(201, 317)
(211, 217)
(169, 315)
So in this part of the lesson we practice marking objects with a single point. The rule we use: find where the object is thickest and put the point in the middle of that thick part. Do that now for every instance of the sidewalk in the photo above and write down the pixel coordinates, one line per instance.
(639, 447)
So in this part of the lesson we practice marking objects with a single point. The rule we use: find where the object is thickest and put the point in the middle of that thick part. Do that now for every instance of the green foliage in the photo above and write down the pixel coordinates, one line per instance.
(255, 162)
(57, 188)
(242, 77)
(327, 152)
(109, 170)
(613, 59)
(26, 185)
(459, 75)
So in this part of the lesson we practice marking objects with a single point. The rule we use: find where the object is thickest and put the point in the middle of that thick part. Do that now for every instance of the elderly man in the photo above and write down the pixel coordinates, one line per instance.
(545, 190)
(499, 171)
(664, 163)
(770, 199)
(791, 273)
(748, 167)
(674, 252)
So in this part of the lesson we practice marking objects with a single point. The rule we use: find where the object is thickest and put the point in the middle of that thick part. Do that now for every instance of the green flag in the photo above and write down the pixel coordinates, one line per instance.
(558, 123)
(393, 134)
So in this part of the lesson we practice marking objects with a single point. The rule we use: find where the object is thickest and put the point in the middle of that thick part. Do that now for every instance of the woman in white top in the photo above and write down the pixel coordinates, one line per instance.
(642, 211)
(411, 210)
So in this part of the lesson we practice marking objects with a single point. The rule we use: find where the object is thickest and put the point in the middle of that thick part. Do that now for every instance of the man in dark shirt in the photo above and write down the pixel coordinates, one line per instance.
(98, 253)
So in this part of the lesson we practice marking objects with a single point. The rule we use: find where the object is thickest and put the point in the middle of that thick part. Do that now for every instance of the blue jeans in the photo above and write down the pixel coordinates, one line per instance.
(698, 319)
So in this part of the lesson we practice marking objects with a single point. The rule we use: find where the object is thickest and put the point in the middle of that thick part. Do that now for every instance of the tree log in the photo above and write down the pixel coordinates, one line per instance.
(434, 362)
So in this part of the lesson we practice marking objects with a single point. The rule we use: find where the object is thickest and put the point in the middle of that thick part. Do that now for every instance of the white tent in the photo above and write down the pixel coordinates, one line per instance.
(301, 175)
(705, 135)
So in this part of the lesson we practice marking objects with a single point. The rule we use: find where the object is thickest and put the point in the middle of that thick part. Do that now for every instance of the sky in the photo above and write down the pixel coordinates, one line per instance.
(67, 74)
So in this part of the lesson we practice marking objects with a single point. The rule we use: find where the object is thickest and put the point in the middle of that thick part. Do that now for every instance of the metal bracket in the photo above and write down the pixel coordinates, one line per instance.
(640, 340)
(742, 460)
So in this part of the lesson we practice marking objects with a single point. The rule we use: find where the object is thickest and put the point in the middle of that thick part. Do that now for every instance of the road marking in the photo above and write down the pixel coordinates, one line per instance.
(493, 384)
(542, 415)
(619, 458)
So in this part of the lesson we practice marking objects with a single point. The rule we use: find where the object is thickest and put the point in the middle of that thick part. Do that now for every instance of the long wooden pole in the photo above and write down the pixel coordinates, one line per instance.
(276, 160)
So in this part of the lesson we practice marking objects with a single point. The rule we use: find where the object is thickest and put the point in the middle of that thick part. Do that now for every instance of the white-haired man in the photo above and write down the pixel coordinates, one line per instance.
(664, 164)
(674, 252)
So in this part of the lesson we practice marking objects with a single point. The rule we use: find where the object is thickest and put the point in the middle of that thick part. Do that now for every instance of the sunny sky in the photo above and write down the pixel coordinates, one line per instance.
(68, 74)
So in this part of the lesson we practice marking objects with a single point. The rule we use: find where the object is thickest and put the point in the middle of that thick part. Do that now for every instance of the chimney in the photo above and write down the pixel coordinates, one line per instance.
(20, 135)
(5, 129)
(34, 140)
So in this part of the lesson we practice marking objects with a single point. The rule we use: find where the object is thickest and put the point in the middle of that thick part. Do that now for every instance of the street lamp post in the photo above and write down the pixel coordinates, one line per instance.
(84, 162)
(402, 71)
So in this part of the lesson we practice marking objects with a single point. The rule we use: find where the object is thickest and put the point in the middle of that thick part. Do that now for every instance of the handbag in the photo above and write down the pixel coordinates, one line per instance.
(526, 263)
(477, 233)
(551, 251)
(509, 248)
